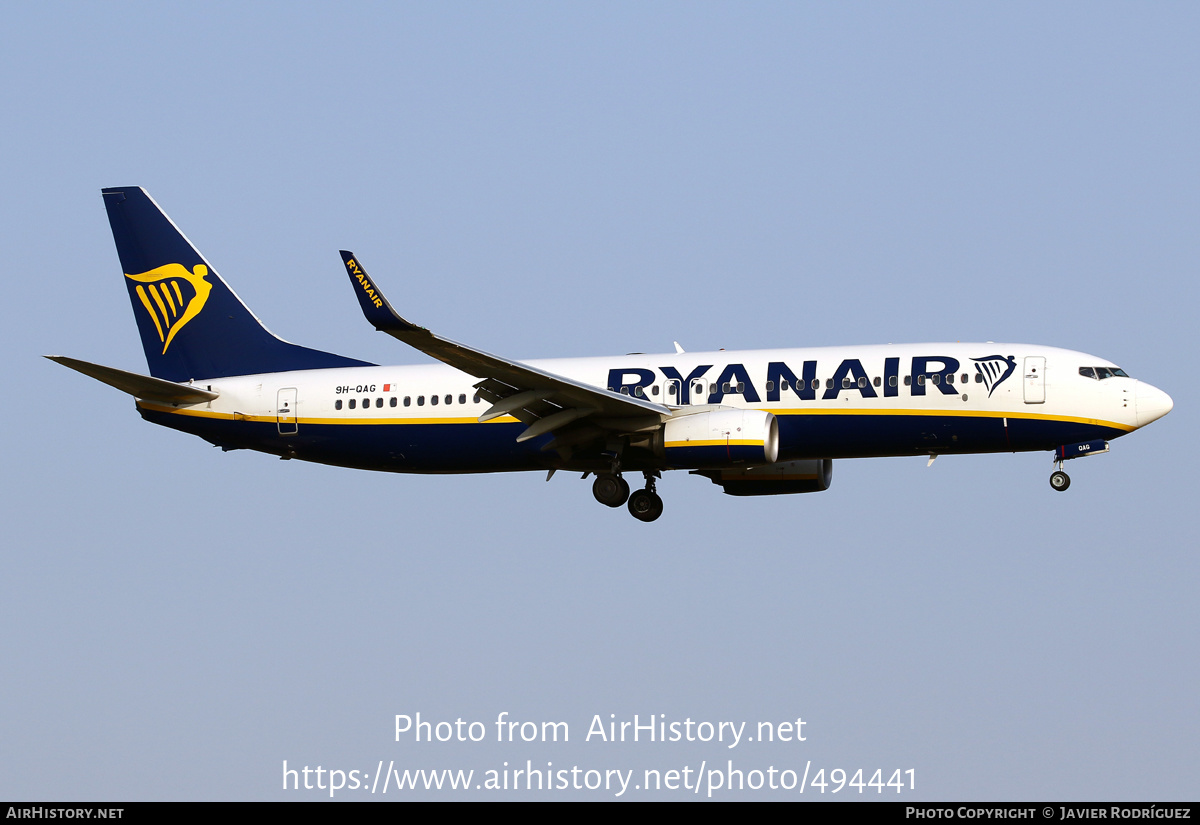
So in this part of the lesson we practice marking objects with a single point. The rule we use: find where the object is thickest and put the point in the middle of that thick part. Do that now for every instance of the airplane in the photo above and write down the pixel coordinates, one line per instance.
(760, 422)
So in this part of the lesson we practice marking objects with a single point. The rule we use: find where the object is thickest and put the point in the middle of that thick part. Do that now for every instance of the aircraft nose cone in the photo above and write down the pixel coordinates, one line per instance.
(1151, 404)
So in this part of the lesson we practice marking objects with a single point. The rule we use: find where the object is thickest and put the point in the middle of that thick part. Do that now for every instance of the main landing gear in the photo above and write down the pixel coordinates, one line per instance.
(610, 489)
(644, 505)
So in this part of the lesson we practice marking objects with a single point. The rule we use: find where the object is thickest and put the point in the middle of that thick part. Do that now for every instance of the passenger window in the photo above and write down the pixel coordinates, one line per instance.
(462, 398)
(771, 385)
(378, 402)
(964, 379)
(908, 380)
(476, 398)
(433, 400)
(816, 383)
(741, 386)
(624, 390)
(366, 403)
(337, 405)
(408, 400)
(936, 378)
(862, 381)
(783, 385)
(449, 399)
(392, 402)
(351, 403)
(828, 383)
(879, 381)
(638, 392)
(892, 381)
(725, 387)
(921, 380)
(420, 401)
(949, 379)
(845, 383)
(654, 389)
(979, 378)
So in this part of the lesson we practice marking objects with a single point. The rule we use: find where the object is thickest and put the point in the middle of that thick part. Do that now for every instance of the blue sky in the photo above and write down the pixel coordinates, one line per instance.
(558, 179)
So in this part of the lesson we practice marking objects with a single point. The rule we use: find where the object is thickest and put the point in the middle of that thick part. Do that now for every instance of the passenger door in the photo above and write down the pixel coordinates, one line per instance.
(1035, 379)
(285, 412)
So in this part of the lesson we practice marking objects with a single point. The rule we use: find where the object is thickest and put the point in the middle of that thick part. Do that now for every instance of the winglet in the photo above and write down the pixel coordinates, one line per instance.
(375, 307)
(517, 382)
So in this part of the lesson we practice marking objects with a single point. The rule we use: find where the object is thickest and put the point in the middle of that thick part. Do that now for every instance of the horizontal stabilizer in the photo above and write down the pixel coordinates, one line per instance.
(139, 386)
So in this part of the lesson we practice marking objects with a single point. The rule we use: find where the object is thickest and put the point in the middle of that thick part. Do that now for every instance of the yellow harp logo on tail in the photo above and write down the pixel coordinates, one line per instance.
(173, 296)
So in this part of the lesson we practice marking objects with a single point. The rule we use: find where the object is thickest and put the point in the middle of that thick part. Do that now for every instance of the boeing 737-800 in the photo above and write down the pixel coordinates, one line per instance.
(759, 422)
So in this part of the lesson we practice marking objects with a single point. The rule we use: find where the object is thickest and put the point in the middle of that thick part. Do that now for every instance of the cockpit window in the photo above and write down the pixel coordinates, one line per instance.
(1100, 373)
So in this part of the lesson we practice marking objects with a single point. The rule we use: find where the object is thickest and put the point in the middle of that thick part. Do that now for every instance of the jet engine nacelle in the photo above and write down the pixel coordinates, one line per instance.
(811, 476)
(720, 438)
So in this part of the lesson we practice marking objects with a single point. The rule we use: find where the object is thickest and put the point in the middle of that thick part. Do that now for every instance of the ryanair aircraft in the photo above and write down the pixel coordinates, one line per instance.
(759, 422)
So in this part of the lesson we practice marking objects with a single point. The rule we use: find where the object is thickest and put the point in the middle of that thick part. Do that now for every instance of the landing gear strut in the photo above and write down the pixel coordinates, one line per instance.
(1058, 479)
(645, 505)
(610, 489)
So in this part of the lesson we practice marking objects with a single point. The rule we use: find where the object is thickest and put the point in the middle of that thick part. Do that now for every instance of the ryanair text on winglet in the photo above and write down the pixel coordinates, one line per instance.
(366, 284)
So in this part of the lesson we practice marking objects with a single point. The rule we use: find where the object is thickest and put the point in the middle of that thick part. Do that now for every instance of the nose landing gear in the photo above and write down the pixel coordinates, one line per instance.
(1060, 480)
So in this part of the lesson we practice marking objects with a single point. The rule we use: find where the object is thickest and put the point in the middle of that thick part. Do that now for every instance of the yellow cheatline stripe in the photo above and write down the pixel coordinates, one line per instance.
(200, 413)
(508, 419)
(735, 442)
(962, 413)
(456, 420)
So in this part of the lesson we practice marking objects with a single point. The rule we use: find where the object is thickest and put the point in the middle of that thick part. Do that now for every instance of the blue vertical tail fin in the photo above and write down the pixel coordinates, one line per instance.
(191, 323)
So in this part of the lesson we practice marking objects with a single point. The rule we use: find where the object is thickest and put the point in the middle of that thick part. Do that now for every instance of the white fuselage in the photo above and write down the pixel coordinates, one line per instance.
(830, 402)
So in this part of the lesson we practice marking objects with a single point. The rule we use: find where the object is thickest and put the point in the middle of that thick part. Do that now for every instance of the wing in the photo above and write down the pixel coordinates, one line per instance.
(545, 402)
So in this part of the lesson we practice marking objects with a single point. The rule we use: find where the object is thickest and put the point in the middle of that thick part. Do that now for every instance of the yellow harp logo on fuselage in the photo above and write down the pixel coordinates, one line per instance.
(169, 307)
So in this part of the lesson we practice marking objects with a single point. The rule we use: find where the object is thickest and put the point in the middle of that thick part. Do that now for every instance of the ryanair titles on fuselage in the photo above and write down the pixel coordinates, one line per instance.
(802, 380)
